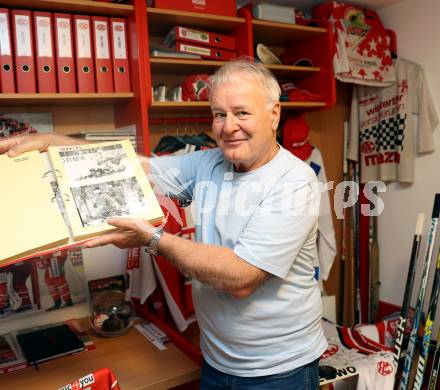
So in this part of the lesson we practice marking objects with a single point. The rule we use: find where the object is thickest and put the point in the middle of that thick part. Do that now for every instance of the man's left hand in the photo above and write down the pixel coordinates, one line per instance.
(130, 232)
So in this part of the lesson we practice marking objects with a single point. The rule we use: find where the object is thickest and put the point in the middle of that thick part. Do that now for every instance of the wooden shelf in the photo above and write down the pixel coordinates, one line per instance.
(72, 6)
(188, 106)
(287, 70)
(182, 66)
(35, 99)
(299, 105)
(283, 34)
(179, 106)
(160, 21)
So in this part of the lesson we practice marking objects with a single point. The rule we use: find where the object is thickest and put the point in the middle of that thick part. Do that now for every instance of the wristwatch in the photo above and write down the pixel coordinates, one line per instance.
(153, 245)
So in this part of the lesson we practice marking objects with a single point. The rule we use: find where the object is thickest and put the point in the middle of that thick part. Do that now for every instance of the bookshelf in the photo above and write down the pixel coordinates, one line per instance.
(146, 25)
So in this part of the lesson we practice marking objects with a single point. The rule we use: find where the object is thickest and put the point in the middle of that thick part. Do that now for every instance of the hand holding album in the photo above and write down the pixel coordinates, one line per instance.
(66, 195)
(131, 233)
(17, 145)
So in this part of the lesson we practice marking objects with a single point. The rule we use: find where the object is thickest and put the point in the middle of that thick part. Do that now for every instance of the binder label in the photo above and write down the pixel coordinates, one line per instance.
(64, 38)
(194, 35)
(5, 39)
(120, 49)
(101, 36)
(195, 49)
(23, 31)
(43, 37)
(83, 37)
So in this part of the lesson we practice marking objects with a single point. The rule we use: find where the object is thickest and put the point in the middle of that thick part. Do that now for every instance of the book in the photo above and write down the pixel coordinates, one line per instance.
(48, 343)
(11, 354)
(63, 197)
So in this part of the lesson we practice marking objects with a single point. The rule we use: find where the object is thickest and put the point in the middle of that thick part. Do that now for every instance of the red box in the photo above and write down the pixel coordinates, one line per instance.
(216, 7)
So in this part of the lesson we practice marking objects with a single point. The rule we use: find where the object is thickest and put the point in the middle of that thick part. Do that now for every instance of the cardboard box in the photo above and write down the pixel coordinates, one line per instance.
(275, 13)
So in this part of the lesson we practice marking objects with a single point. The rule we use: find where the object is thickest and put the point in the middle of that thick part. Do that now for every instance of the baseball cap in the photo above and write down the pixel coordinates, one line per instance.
(295, 136)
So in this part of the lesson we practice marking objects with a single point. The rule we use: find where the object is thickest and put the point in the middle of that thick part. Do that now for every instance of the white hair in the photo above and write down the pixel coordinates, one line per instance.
(234, 72)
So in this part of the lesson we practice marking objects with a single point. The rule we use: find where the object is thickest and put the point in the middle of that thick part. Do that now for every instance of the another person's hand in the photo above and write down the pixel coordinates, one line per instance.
(131, 232)
(25, 143)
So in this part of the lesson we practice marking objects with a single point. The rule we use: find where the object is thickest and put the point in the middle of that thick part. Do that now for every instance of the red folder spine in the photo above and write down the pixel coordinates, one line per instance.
(64, 53)
(204, 38)
(103, 62)
(121, 72)
(212, 53)
(7, 73)
(44, 52)
(23, 51)
(82, 28)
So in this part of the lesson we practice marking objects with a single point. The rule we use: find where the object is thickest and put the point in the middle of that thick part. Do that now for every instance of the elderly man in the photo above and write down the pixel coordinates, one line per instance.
(256, 209)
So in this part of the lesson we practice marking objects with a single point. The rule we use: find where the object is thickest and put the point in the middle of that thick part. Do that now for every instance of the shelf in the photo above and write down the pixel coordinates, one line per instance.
(189, 106)
(287, 70)
(283, 34)
(179, 106)
(185, 67)
(160, 21)
(72, 6)
(182, 66)
(299, 105)
(35, 99)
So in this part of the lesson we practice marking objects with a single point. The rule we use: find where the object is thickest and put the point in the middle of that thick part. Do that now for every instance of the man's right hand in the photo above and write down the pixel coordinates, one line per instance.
(25, 143)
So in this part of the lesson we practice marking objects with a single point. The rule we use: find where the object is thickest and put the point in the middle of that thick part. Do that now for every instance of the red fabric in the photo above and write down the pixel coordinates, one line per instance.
(302, 95)
(176, 284)
(295, 134)
(4, 297)
(194, 88)
(102, 379)
(361, 40)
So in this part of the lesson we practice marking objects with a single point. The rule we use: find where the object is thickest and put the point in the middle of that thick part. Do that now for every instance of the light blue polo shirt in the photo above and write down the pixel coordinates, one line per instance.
(269, 218)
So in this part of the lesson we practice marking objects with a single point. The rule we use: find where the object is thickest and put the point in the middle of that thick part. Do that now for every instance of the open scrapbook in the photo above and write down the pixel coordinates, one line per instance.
(62, 197)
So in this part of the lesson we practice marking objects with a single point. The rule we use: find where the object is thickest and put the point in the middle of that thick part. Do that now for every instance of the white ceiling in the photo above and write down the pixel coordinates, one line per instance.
(308, 4)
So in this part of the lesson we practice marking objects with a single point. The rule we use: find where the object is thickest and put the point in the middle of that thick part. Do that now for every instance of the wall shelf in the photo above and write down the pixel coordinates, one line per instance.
(162, 65)
(292, 71)
(182, 66)
(35, 99)
(160, 21)
(283, 34)
(186, 106)
(72, 6)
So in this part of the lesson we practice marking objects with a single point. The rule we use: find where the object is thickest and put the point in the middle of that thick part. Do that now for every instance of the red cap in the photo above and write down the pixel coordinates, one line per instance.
(295, 136)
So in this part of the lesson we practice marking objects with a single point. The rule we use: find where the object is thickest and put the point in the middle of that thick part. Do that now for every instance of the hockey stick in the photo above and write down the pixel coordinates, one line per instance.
(344, 231)
(435, 365)
(357, 256)
(398, 345)
(374, 269)
(404, 381)
(423, 357)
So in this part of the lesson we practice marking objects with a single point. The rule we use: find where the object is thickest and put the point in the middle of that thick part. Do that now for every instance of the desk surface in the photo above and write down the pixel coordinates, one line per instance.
(136, 363)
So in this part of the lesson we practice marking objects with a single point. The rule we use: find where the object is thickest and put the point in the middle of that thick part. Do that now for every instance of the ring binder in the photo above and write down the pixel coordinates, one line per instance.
(56, 172)
(66, 197)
